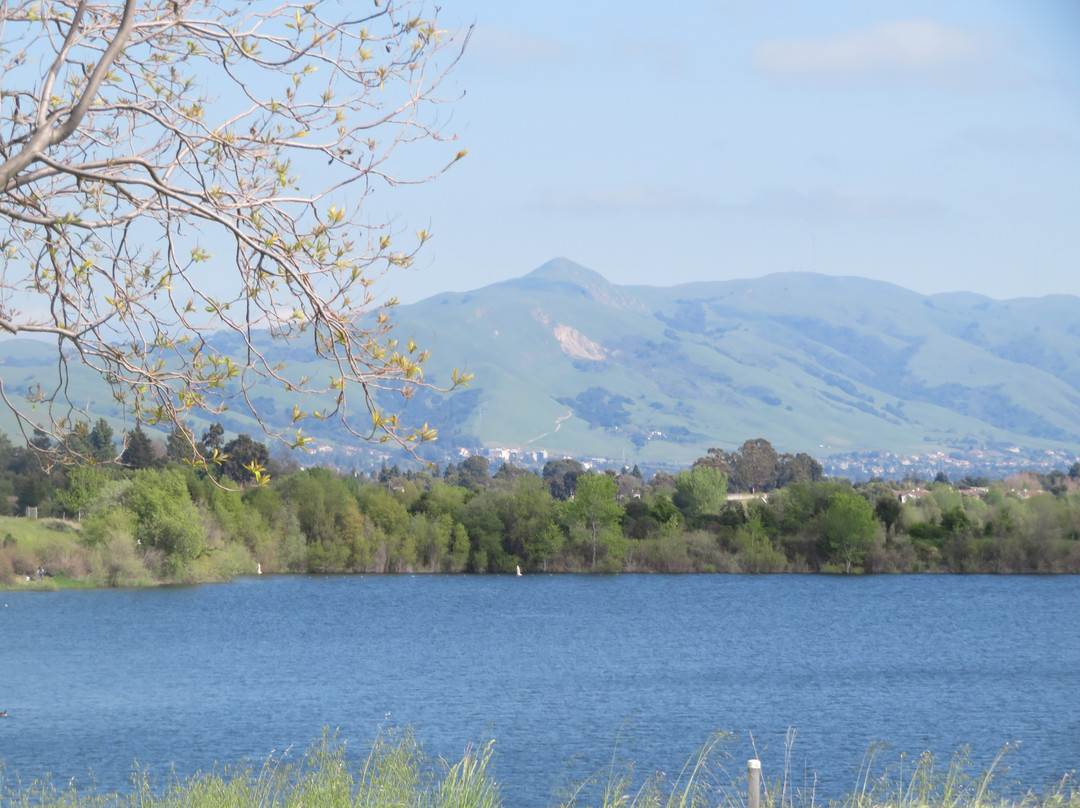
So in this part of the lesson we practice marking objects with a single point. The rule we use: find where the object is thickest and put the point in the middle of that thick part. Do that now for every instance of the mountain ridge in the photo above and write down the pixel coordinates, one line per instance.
(814, 352)
(567, 363)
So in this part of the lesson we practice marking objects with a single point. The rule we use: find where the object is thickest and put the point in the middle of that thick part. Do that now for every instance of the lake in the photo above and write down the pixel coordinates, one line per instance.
(564, 672)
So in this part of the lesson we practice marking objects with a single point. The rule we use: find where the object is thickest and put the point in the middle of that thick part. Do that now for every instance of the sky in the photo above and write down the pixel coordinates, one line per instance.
(935, 145)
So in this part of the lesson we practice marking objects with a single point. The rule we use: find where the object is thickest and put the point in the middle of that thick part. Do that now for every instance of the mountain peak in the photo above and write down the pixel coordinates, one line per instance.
(562, 274)
(565, 270)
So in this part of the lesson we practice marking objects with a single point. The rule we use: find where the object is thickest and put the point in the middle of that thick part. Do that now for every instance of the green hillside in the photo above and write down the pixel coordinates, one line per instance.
(566, 363)
(817, 363)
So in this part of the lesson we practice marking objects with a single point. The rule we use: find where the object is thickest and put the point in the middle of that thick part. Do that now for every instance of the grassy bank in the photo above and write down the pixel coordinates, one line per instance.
(28, 543)
(394, 772)
(58, 547)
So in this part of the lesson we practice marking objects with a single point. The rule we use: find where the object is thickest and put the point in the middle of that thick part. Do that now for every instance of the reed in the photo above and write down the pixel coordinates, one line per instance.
(713, 778)
(924, 783)
(395, 773)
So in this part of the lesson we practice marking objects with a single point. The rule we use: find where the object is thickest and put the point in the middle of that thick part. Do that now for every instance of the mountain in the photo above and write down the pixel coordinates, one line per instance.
(569, 364)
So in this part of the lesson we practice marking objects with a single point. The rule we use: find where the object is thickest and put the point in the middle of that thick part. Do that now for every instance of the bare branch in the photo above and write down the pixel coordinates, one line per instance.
(187, 169)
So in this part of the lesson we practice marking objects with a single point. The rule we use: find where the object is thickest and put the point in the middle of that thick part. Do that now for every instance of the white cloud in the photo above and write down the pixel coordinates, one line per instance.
(899, 47)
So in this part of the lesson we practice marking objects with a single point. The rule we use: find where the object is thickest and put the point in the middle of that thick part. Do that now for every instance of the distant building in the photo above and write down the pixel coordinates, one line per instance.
(912, 494)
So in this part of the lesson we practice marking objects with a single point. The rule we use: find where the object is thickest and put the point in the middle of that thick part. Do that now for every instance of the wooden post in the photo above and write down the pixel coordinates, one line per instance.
(753, 772)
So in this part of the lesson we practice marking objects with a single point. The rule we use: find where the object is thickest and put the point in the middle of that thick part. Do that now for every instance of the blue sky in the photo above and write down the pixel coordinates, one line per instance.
(935, 145)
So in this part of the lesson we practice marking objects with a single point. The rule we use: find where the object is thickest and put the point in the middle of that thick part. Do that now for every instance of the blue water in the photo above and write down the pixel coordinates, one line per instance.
(564, 672)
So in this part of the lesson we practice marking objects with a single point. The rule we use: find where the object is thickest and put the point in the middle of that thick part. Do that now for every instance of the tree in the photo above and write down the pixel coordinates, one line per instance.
(955, 520)
(529, 517)
(212, 442)
(77, 441)
(631, 486)
(138, 450)
(166, 519)
(245, 460)
(40, 439)
(665, 513)
(756, 466)
(595, 509)
(178, 448)
(848, 527)
(101, 441)
(185, 192)
(800, 468)
(720, 459)
(701, 491)
(888, 509)
(757, 553)
(473, 472)
(483, 519)
(84, 483)
(508, 473)
(561, 476)
(31, 491)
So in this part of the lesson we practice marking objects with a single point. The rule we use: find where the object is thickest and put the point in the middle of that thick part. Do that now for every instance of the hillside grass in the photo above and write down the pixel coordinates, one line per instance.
(396, 772)
(56, 546)
(23, 541)
(38, 533)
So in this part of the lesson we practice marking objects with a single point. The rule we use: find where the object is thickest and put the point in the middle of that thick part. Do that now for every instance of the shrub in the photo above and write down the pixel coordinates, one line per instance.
(166, 519)
(60, 526)
(105, 524)
(116, 563)
(23, 562)
(890, 556)
(67, 561)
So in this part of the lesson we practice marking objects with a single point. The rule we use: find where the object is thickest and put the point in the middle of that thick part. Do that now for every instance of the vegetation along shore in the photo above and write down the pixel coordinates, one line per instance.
(157, 518)
(394, 770)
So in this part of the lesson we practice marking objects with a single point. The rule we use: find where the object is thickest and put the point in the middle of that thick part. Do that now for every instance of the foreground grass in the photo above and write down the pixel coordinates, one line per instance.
(395, 773)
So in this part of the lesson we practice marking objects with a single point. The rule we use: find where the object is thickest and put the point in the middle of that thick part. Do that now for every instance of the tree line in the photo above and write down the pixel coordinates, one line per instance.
(156, 516)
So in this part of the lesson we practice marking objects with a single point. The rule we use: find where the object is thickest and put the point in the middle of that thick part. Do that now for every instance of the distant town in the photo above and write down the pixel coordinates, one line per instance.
(988, 462)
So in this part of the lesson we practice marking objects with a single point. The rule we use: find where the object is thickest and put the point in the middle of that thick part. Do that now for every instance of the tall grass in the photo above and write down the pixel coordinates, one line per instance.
(702, 781)
(713, 778)
(396, 773)
(924, 782)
